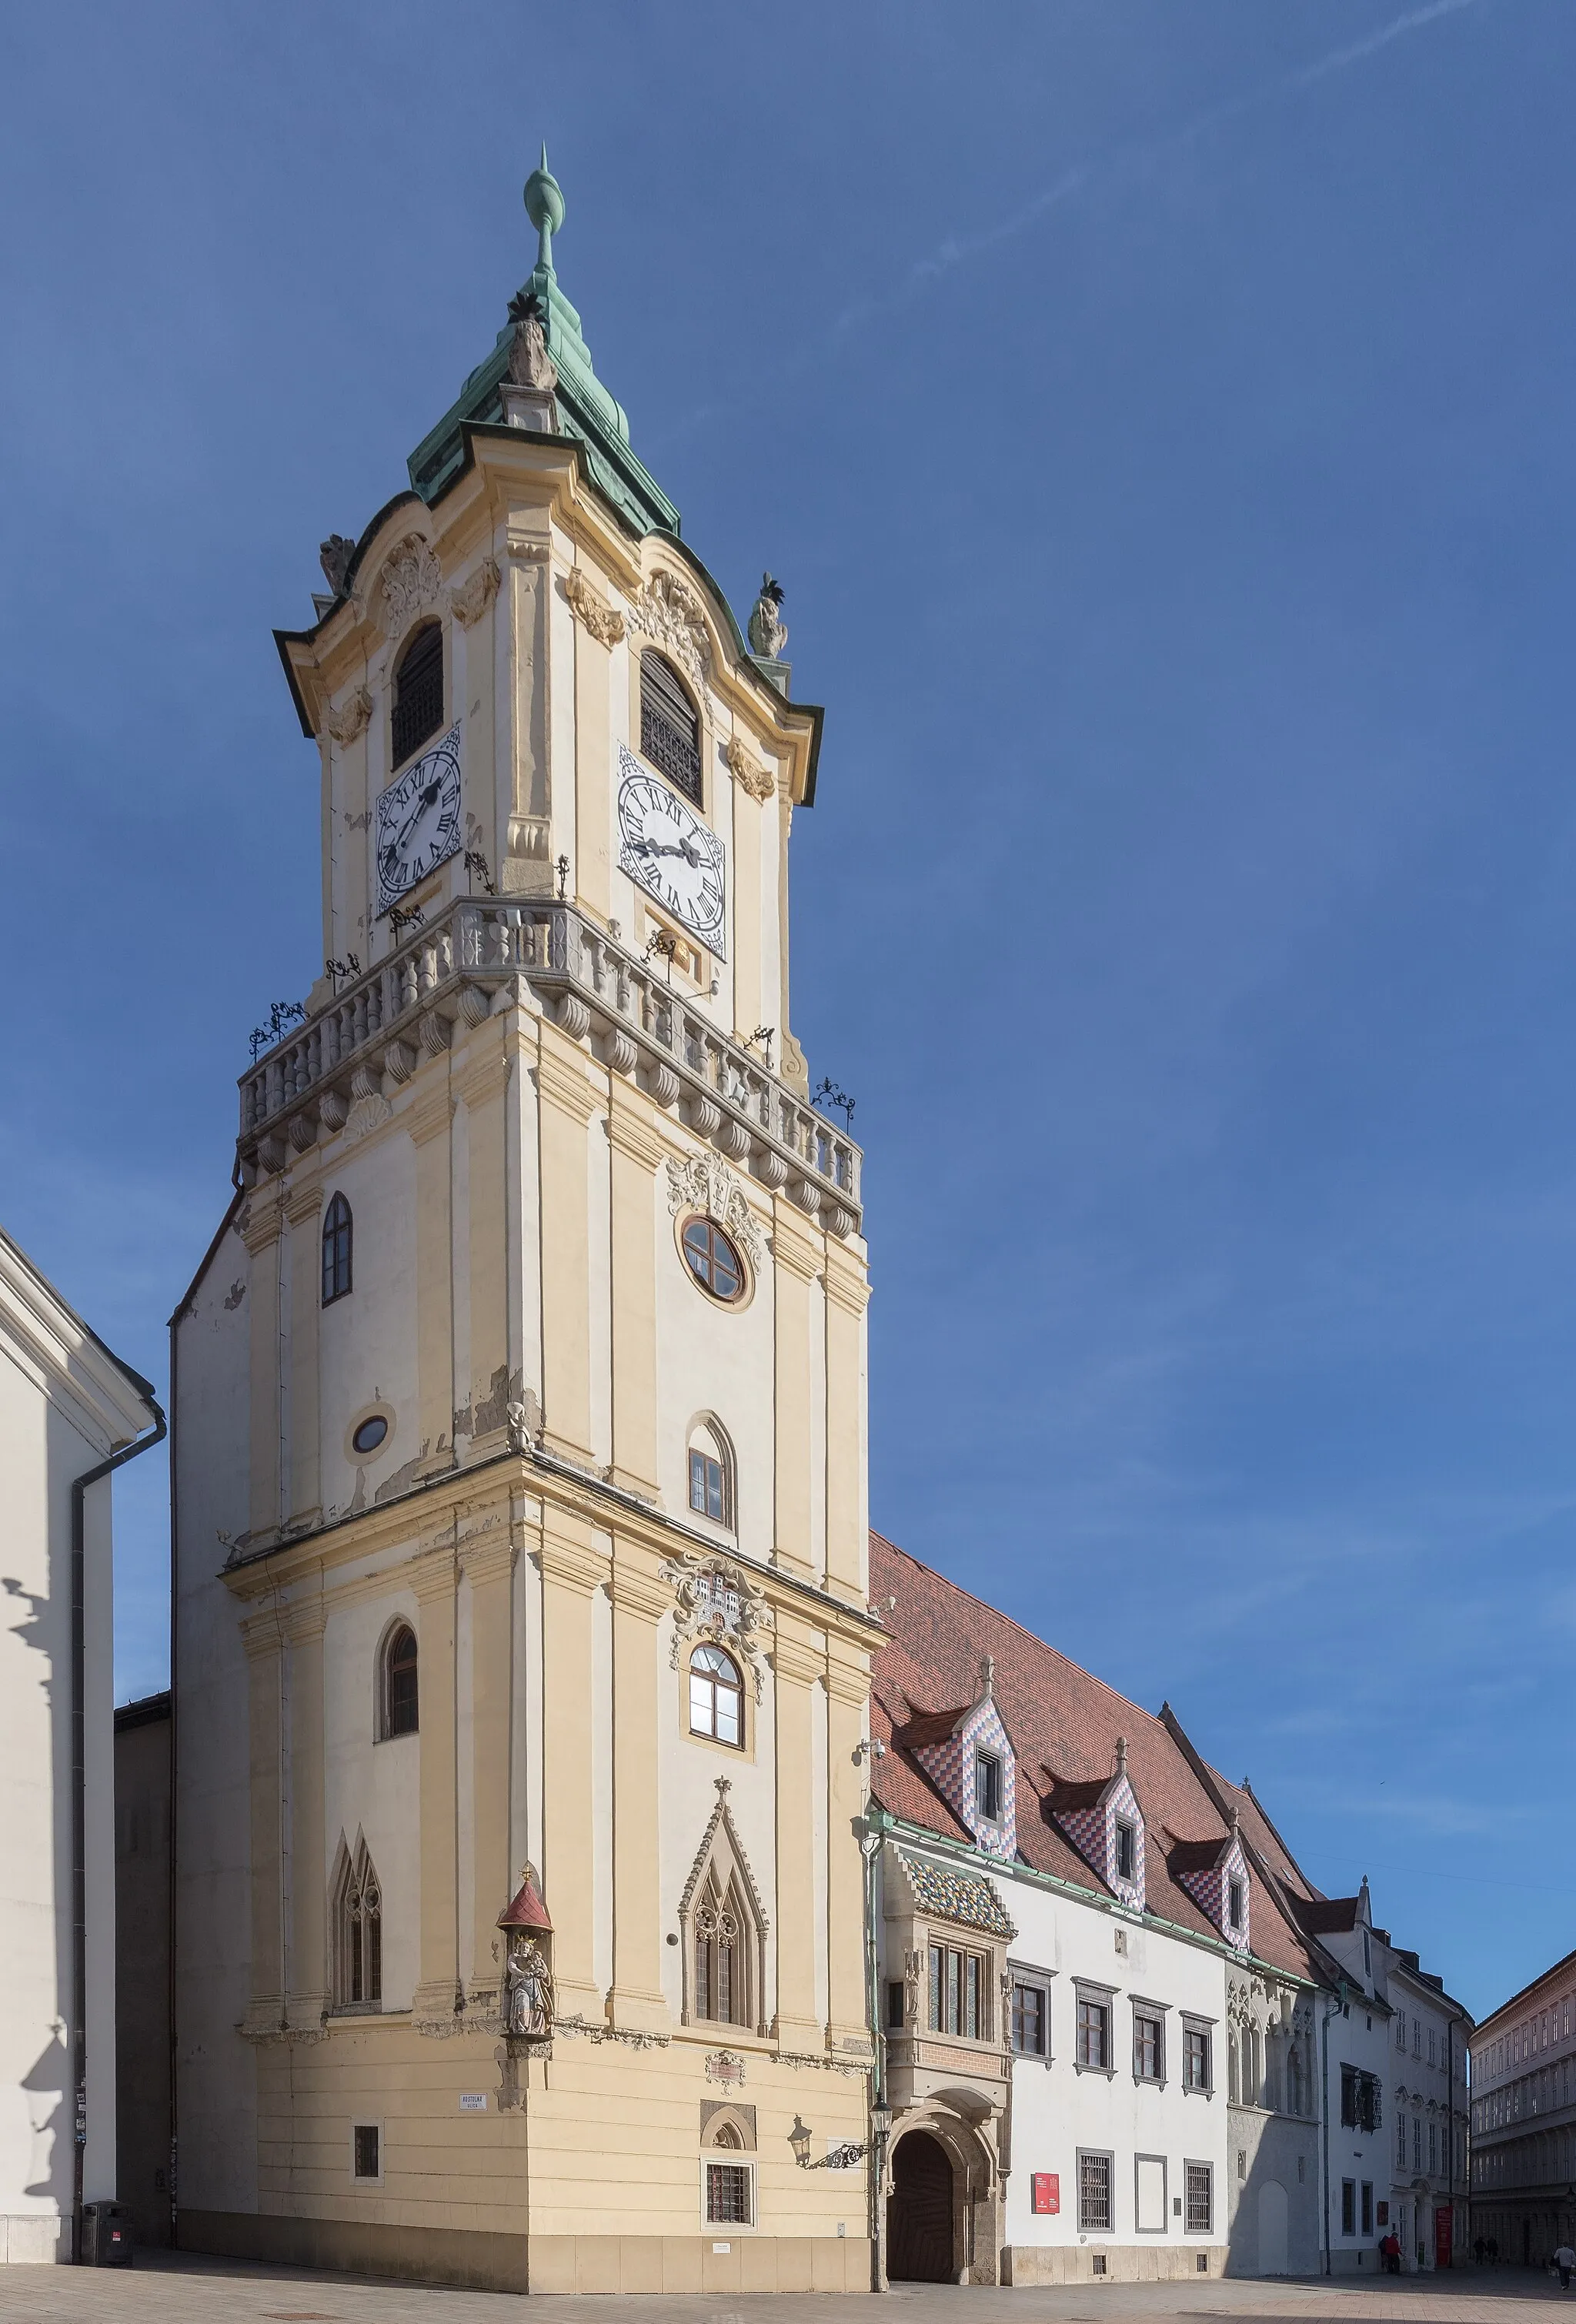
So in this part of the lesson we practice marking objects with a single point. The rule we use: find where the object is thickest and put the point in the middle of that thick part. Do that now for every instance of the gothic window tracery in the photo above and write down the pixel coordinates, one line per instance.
(723, 1932)
(358, 1981)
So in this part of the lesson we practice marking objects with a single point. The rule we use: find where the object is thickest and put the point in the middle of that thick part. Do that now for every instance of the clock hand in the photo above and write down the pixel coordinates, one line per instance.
(425, 800)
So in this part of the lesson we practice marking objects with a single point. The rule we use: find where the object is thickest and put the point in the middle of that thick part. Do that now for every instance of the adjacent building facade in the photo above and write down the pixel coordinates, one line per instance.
(1524, 2120)
(521, 1634)
(69, 1411)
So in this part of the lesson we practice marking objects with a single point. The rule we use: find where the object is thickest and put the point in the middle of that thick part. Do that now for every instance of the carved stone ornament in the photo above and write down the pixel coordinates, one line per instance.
(410, 582)
(334, 555)
(528, 1990)
(471, 600)
(767, 629)
(747, 771)
(725, 2066)
(671, 615)
(715, 1599)
(606, 625)
(343, 725)
(704, 1182)
(530, 364)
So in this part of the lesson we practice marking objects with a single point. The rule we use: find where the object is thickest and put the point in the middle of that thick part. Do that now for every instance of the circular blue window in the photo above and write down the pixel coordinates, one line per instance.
(371, 1433)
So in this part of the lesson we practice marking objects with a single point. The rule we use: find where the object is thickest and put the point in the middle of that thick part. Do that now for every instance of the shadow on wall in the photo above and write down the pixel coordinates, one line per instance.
(1274, 2229)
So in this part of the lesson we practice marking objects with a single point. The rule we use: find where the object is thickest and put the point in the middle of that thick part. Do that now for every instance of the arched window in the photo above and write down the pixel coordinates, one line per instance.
(418, 691)
(669, 726)
(711, 1474)
(358, 1978)
(335, 1250)
(717, 1696)
(722, 1955)
(399, 1699)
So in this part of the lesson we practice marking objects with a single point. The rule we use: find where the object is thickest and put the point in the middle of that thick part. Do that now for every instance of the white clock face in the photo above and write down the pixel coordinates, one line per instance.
(675, 857)
(419, 820)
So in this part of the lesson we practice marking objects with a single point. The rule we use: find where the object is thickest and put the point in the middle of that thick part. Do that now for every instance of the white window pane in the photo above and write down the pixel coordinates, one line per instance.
(700, 1704)
(727, 1716)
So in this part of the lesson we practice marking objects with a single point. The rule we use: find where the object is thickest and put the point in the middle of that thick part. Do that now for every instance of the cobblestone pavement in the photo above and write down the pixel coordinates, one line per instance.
(187, 2289)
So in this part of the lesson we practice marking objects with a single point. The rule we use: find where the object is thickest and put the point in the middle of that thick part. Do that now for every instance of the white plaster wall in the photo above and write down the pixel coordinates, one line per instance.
(712, 1358)
(372, 1788)
(366, 1344)
(602, 1780)
(599, 1228)
(1361, 2037)
(215, 2069)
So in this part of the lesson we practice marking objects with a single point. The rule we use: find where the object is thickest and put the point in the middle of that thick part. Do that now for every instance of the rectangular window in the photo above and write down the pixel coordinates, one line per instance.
(728, 2192)
(1094, 2215)
(988, 1786)
(1417, 2142)
(1433, 2146)
(1029, 2020)
(1417, 2037)
(1127, 1850)
(1201, 2199)
(1234, 1905)
(958, 1988)
(1368, 2207)
(1400, 2141)
(1148, 2047)
(1400, 2029)
(1093, 2033)
(1195, 2059)
(368, 2144)
(1349, 2207)
(895, 2003)
(707, 1495)
(1432, 2057)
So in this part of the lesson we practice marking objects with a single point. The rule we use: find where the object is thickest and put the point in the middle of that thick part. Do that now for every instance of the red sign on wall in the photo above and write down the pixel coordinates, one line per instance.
(1045, 2192)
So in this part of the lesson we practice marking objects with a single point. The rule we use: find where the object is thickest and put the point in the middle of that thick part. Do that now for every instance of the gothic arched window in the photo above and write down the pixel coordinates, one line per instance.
(400, 1701)
(417, 692)
(711, 1473)
(669, 726)
(722, 1955)
(717, 1696)
(336, 1233)
(358, 1980)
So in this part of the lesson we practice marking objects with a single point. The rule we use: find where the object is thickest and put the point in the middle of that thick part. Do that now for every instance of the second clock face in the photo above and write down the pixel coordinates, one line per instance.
(419, 820)
(676, 858)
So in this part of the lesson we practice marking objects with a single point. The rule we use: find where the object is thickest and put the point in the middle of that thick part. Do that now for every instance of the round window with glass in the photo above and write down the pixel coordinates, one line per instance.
(712, 1259)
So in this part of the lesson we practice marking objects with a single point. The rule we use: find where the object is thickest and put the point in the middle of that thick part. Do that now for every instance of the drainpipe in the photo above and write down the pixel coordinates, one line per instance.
(870, 1848)
(1337, 2001)
(79, 1805)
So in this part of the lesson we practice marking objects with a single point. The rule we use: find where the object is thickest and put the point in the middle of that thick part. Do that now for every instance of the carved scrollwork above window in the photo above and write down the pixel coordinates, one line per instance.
(715, 1599)
(669, 613)
(411, 583)
(704, 1182)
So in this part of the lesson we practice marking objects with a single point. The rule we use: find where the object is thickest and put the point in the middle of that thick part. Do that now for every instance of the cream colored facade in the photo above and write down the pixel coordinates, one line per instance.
(523, 1097)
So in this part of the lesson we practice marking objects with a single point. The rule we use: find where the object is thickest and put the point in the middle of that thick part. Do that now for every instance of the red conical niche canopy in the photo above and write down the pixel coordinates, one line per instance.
(527, 1911)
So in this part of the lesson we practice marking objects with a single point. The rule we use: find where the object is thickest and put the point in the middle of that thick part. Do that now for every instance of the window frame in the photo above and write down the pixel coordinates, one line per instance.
(429, 626)
(402, 1627)
(989, 1783)
(1349, 2207)
(718, 1688)
(689, 787)
(1125, 1829)
(1235, 1905)
(1164, 2227)
(1089, 1996)
(365, 2178)
(1191, 2165)
(941, 1994)
(1195, 2027)
(1107, 2155)
(339, 1238)
(728, 2160)
(1145, 2011)
(713, 1234)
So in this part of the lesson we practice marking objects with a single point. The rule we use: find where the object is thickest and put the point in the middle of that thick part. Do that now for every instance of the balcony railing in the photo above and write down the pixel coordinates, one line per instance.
(379, 1024)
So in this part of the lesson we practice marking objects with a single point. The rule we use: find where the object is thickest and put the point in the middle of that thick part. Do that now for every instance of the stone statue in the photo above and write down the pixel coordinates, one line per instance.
(527, 1992)
(767, 629)
(530, 364)
(335, 556)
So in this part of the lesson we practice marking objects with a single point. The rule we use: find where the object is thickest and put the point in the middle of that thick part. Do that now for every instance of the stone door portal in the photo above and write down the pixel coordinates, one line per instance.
(920, 2213)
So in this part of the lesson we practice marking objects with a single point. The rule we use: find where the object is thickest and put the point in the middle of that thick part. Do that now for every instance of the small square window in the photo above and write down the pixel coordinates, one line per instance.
(368, 2149)
(987, 1786)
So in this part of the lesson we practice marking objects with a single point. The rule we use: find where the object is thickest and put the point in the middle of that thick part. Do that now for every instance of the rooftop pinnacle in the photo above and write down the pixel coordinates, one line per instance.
(544, 205)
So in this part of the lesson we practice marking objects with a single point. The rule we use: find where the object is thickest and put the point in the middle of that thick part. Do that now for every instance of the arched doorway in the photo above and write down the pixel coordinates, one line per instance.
(919, 2212)
(1272, 2228)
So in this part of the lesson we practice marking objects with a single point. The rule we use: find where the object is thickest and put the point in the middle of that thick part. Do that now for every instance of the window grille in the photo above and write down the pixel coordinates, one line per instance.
(1200, 2183)
(1094, 2215)
(417, 692)
(728, 2195)
(336, 1234)
(669, 728)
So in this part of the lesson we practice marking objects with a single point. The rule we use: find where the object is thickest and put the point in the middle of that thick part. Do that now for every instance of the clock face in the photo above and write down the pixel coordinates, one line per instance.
(419, 820)
(676, 858)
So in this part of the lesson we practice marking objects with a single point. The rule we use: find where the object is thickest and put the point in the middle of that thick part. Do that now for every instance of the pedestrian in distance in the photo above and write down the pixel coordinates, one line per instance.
(1390, 2253)
(1565, 2260)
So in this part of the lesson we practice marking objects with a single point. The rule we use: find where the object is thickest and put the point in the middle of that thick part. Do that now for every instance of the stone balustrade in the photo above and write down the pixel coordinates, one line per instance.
(380, 1025)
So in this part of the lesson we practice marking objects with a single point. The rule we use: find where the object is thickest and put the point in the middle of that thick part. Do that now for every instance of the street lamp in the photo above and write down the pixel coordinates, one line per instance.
(799, 2139)
(851, 2150)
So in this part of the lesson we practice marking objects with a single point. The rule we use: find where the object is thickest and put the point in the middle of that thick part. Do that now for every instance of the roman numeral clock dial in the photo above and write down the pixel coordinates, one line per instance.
(674, 857)
(419, 820)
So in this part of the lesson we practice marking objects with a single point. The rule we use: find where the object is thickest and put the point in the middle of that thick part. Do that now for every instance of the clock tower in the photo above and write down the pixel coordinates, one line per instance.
(521, 1635)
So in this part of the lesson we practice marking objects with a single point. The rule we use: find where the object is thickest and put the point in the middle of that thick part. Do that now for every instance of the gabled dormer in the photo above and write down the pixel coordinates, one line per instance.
(968, 1755)
(1105, 1824)
(1215, 1873)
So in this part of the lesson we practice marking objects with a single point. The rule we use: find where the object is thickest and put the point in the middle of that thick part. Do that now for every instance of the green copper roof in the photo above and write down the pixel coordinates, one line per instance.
(585, 409)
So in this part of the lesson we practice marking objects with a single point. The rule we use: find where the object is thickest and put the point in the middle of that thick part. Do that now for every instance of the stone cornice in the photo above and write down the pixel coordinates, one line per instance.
(572, 1564)
(794, 1250)
(488, 1559)
(262, 1222)
(847, 1284)
(564, 1085)
(304, 1199)
(430, 1116)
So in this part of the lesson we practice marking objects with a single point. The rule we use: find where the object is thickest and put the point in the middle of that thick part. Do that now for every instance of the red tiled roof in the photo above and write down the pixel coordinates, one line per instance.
(1061, 1719)
(1326, 1915)
(1193, 1855)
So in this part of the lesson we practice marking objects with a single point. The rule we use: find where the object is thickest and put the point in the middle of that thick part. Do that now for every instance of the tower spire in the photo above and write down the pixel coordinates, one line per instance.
(544, 205)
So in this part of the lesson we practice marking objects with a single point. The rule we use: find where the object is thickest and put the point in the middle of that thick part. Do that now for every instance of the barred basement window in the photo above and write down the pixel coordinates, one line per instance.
(1094, 2214)
(728, 2195)
(1200, 2182)
(669, 726)
(417, 692)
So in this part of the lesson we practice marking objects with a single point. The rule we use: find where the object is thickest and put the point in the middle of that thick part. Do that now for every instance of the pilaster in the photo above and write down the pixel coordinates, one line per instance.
(573, 1567)
(264, 1675)
(568, 1101)
(488, 1563)
(304, 1210)
(593, 761)
(796, 1662)
(639, 1599)
(638, 1148)
(848, 1696)
(795, 1255)
(429, 1124)
(435, 1999)
(847, 1538)
(483, 1084)
(262, 1234)
(307, 1981)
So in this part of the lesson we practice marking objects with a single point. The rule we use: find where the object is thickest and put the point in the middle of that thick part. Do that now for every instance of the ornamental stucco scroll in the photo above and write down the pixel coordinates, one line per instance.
(715, 1599)
(670, 614)
(704, 1182)
(411, 583)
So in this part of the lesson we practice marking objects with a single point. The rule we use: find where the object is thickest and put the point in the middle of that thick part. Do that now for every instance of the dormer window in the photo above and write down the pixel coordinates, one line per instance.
(1234, 1894)
(417, 692)
(987, 1786)
(1126, 1849)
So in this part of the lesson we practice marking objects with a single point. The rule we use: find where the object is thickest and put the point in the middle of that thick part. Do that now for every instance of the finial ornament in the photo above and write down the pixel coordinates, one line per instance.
(1121, 1755)
(767, 629)
(530, 364)
(987, 1678)
(544, 205)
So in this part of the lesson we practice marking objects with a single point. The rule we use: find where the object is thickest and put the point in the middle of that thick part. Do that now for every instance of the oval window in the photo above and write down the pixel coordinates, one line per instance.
(371, 1433)
(713, 1260)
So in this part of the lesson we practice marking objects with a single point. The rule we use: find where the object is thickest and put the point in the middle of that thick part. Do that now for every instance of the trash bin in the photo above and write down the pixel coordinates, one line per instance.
(106, 2234)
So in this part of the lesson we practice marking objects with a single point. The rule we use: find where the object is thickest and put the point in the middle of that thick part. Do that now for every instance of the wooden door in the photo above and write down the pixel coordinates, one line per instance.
(920, 2213)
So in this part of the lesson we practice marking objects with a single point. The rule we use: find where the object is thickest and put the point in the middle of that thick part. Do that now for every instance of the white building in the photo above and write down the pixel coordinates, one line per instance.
(69, 1411)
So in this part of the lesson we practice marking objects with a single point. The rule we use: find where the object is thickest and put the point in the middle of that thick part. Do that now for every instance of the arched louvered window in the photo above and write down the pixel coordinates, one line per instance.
(417, 692)
(359, 1963)
(669, 726)
(336, 1233)
(400, 1699)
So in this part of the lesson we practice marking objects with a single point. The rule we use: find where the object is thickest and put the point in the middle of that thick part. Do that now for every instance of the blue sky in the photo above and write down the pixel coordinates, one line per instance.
(1161, 418)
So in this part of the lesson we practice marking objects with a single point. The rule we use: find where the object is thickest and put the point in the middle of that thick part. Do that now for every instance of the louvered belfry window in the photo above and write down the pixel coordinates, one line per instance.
(669, 728)
(417, 692)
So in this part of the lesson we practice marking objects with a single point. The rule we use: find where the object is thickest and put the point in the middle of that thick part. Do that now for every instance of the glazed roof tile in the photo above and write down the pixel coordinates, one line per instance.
(956, 1895)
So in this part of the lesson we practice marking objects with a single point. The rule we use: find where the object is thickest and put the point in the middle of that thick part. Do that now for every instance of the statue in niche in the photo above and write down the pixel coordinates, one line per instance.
(528, 1991)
